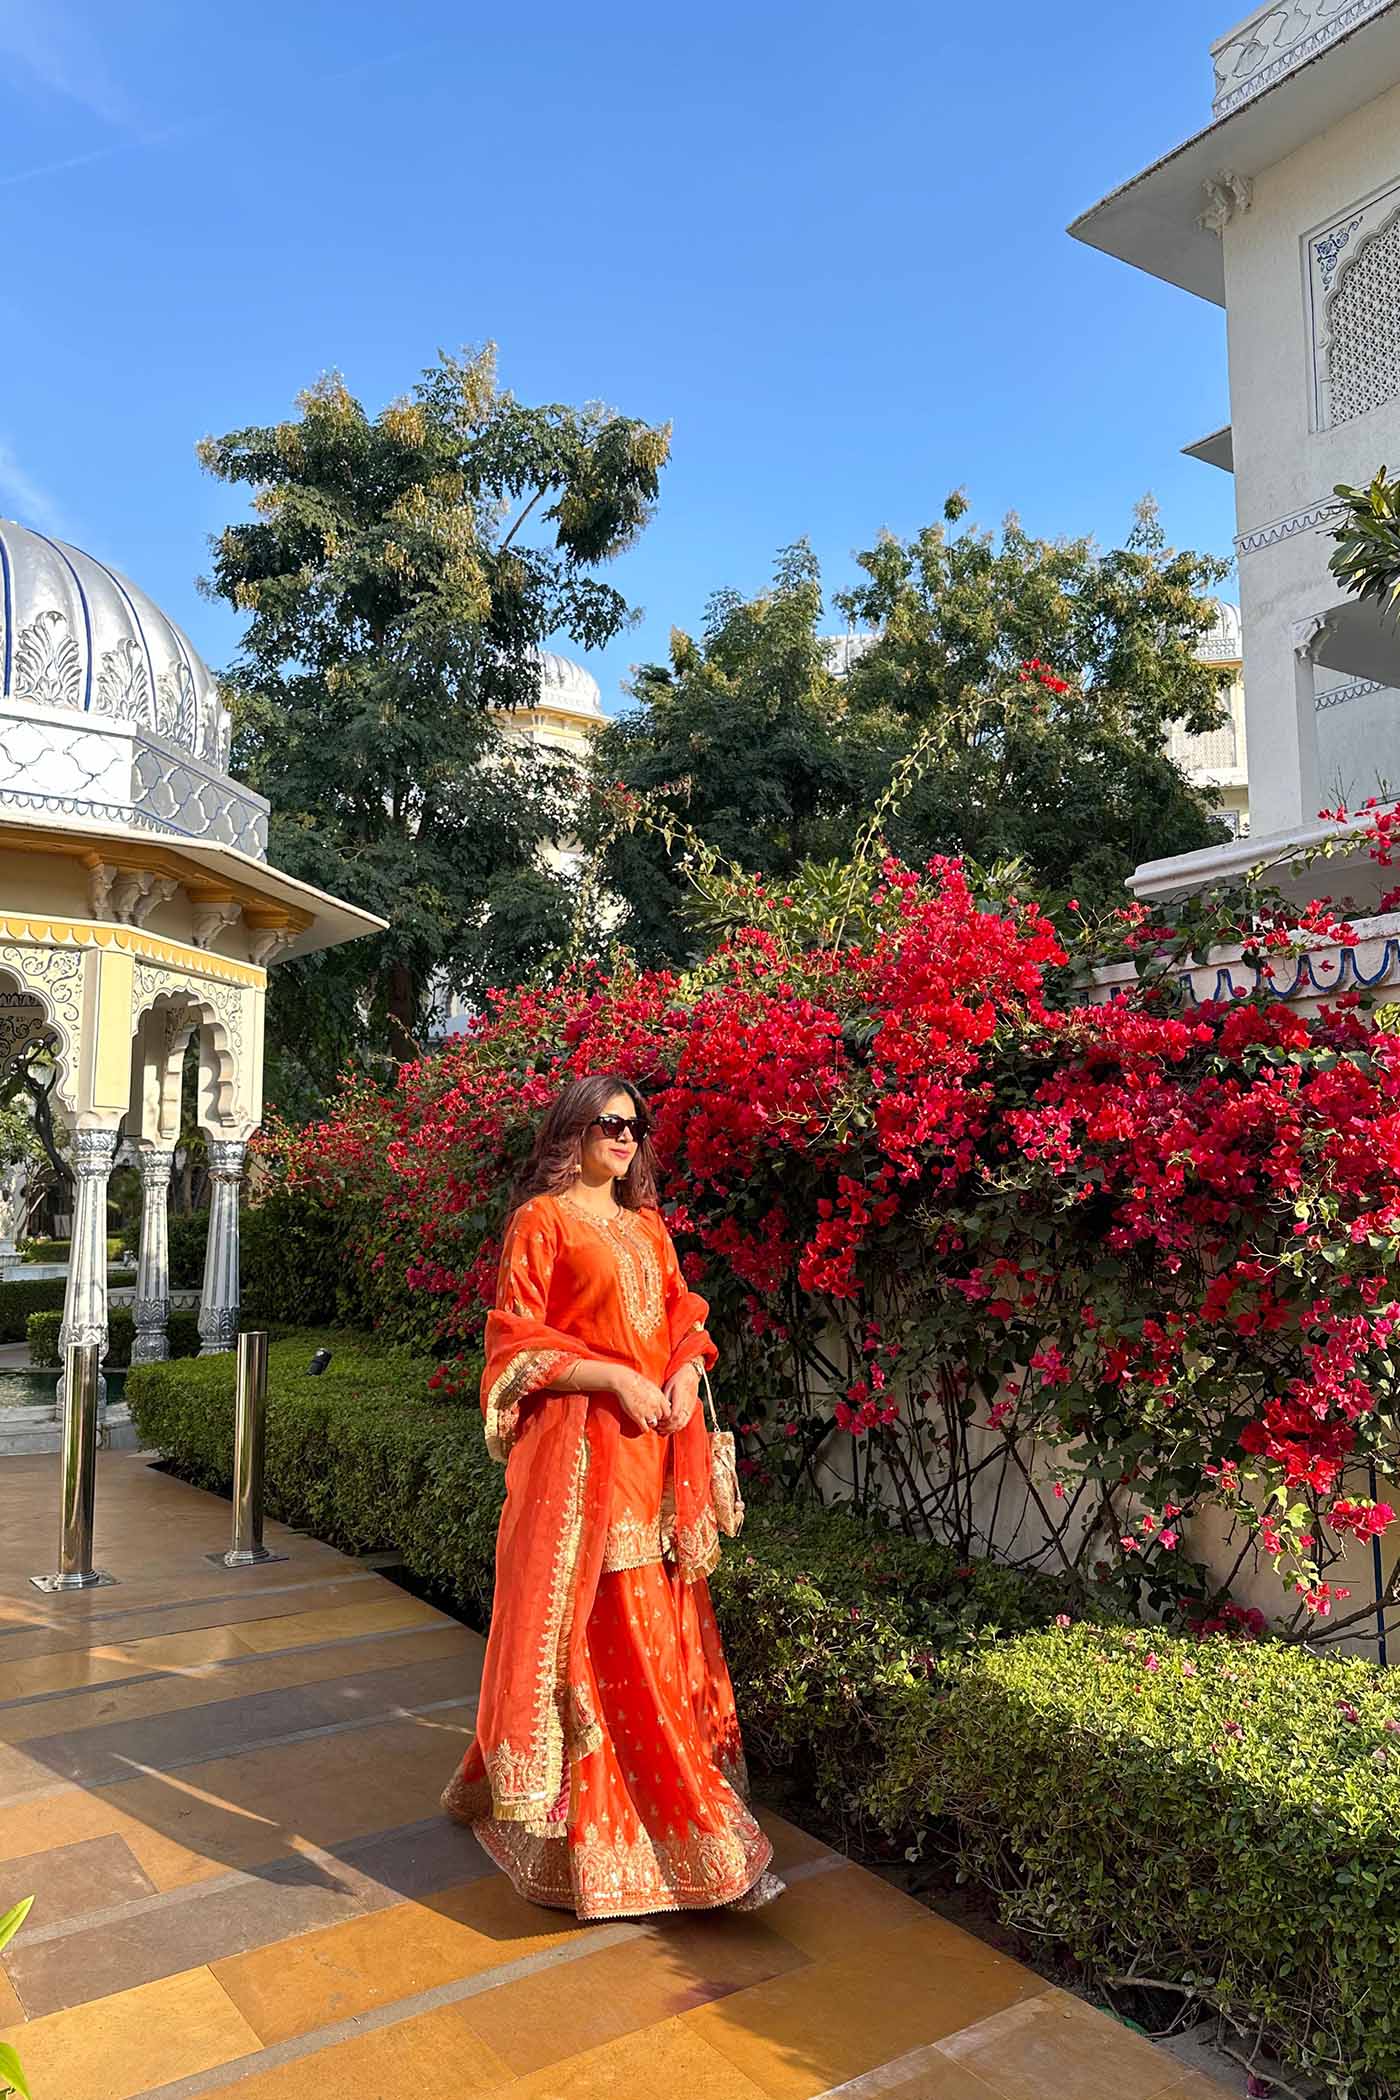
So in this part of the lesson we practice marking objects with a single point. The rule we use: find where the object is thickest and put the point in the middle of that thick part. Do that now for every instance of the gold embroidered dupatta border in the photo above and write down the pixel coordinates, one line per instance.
(534, 1714)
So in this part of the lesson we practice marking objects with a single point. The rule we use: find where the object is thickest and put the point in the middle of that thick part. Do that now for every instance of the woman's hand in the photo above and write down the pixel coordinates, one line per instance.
(681, 1391)
(641, 1401)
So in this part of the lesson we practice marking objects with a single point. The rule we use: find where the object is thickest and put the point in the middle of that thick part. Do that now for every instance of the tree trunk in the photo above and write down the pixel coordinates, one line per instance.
(401, 1006)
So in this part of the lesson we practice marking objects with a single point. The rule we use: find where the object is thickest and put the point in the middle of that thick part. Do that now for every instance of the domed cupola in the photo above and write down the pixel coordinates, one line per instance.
(106, 711)
(567, 688)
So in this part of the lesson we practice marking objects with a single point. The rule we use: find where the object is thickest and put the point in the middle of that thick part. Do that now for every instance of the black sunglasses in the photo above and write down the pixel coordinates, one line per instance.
(614, 1127)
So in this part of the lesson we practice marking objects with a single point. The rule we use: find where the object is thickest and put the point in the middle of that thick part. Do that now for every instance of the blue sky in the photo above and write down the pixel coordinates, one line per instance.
(826, 242)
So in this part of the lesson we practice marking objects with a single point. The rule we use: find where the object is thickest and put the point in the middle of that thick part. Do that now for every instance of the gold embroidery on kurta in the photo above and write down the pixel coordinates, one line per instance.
(638, 1267)
(632, 1542)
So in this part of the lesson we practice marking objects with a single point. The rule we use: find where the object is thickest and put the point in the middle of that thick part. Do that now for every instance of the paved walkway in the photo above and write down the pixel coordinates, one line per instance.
(222, 1790)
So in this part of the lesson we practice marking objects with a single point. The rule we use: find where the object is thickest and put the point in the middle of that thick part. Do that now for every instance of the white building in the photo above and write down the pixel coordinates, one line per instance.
(563, 723)
(1218, 758)
(1285, 211)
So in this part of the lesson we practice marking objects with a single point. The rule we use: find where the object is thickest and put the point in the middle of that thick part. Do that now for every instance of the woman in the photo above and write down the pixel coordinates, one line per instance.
(607, 1775)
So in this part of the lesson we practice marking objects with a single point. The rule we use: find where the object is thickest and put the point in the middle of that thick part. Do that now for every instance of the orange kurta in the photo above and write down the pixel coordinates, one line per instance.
(607, 1775)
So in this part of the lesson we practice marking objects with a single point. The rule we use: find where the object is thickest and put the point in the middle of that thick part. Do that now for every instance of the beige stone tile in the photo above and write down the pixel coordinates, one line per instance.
(924, 2074)
(431, 2057)
(194, 1685)
(835, 2019)
(89, 1622)
(119, 2046)
(830, 1914)
(378, 1614)
(1056, 2044)
(667, 2059)
(573, 2007)
(10, 2008)
(790, 1845)
(323, 1977)
(241, 1811)
(185, 1825)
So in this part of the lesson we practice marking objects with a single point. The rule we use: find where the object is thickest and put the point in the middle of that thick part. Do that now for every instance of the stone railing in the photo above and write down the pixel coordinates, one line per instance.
(1305, 981)
(1276, 40)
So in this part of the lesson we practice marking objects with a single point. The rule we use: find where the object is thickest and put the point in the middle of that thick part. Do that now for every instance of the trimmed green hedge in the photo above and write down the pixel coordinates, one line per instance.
(121, 1333)
(44, 1294)
(1211, 1815)
(291, 1261)
(59, 1250)
(1220, 1816)
(19, 1300)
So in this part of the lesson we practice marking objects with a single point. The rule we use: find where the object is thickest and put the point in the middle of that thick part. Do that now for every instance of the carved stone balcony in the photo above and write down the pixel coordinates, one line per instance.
(1276, 40)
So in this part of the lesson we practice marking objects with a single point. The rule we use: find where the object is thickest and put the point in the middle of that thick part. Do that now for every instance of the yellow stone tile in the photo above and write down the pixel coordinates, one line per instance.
(376, 1615)
(573, 2007)
(833, 1913)
(361, 1609)
(431, 2057)
(10, 2008)
(119, 2046)
(346, 1969)
(833, 2020)
(191, 1686)
(240, 1811)
(790, 1845)
(670, 2059)
(1056, 2044)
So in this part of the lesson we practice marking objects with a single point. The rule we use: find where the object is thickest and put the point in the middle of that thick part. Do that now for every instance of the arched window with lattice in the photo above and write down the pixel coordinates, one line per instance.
(1363, 328)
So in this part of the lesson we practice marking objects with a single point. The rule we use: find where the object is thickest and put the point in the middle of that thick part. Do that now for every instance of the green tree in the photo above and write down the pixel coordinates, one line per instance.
(740, 731)
(400, 574)
(773, 755)
(1367, 531)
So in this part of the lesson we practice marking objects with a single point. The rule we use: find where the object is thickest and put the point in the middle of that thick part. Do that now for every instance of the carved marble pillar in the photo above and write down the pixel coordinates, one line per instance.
(85, 1300)
(218, 1312)
(152, 1343)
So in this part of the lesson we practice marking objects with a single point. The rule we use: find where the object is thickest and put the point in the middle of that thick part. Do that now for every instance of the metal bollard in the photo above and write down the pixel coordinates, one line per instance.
(78, 1478)
(250, 1429)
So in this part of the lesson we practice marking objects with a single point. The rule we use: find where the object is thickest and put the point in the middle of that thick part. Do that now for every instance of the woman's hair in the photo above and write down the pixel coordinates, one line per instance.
(557, 1153)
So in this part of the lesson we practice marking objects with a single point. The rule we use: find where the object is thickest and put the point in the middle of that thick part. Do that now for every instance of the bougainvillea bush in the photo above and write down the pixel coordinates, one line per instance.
(1053, 1274)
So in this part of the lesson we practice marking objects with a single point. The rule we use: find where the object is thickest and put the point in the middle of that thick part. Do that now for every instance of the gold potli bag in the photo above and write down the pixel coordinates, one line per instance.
(724, 1469)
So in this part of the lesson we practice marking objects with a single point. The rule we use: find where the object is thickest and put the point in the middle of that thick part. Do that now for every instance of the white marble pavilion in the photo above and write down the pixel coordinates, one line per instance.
(137, 910)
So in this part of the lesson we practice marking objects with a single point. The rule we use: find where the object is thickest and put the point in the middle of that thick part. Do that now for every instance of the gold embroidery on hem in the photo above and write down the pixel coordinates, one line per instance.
(632, 1542)
(696, 1546)
(599, 1876)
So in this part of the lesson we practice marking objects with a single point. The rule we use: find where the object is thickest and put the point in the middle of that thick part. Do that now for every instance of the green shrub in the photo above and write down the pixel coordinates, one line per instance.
(45, 1294)
(44, 1327)
(292, 1267)
(1213, 1815)
(186, 1233)
(60, 1250)
(19, 1300)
